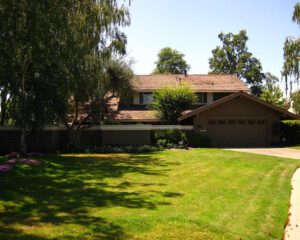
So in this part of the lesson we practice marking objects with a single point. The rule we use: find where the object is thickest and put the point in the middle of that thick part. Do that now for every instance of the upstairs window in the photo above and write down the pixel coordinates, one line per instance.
(146, 98)
(219, 95)
(201, 98)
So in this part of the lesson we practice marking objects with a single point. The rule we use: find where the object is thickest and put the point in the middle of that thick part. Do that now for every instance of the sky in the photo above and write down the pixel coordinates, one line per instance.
(192, 27)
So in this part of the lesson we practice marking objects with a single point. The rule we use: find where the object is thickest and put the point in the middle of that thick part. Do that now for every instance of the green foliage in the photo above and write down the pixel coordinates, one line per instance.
(115, 81)
(296, 13)
(176, 138)
(170, 138)
(171, 61)
(271, 91)
(233, 57)
(291, 123)
(55, 55)
(169, 102)
(115, 149)
(291, 65)
(291, 131)
(296, 101)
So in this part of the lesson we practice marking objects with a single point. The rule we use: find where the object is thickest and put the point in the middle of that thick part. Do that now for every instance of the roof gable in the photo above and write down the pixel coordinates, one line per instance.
(198, 82)
(233, 96)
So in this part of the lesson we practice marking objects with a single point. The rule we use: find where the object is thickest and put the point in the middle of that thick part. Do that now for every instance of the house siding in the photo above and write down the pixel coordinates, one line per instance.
(239, 109)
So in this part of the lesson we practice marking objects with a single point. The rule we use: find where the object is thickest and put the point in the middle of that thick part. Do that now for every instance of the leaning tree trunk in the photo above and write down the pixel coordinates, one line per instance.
(3, 108)
(23, 145)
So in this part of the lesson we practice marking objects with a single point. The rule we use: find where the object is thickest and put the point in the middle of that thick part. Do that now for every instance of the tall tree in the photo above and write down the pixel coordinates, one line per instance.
(271, 91)
(55, 50)
(100, 33)
(233, 57)
(291, 65)
(295, 97)
(114, 81)
(171, 61)
(31, 39)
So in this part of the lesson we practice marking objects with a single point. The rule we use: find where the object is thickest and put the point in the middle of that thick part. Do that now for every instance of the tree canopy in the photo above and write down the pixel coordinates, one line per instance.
(271, 91)
(171, 61)
(53, 55)
(296, 101)
(233, 57)
(291, 66)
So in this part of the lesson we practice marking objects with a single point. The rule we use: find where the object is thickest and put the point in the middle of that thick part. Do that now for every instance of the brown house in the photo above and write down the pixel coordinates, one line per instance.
(239, 120)
(208, 88)
(225, 111)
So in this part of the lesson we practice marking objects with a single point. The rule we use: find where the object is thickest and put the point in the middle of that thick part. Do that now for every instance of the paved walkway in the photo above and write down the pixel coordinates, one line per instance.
(278, 152)
(292, 230)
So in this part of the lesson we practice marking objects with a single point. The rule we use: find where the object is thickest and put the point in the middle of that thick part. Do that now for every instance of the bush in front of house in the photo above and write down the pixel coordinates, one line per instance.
(170, 138)
(124, 149)
(169, 102)
(290, 131)
(178, 139)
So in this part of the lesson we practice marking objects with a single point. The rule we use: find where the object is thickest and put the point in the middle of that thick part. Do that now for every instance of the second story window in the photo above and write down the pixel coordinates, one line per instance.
(146, 98)
(201, 98)
(219, 95)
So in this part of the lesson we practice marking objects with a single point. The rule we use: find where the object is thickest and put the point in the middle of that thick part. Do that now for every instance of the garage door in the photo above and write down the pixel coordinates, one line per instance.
(238, 133)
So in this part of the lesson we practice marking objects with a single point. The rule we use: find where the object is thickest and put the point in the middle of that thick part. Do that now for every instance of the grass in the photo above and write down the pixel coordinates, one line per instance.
(295, 147)
(197, 194)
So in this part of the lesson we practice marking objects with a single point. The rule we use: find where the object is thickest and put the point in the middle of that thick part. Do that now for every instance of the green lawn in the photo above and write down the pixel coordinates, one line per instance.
(296, 147)
(196, 194)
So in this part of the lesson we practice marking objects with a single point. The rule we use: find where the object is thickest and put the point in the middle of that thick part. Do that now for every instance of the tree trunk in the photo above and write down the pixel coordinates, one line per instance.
(74, 135)
(23, 146)
(3, 108)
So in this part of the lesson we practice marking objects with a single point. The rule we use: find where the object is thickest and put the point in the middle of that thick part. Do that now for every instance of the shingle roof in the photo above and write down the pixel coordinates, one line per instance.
(286, 113)
(133, 115)
(198, 82)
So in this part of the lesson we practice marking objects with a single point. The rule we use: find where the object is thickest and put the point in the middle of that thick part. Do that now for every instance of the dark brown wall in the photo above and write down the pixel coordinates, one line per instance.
(46, 140)
(129, 137)
(240, 108)
(57, 139)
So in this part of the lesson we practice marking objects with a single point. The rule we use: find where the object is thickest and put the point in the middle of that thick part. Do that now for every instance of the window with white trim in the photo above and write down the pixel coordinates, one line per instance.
(201, 97)
(146, 98)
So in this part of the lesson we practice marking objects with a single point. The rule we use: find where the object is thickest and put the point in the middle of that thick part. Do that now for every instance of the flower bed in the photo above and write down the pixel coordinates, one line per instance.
(5, 168)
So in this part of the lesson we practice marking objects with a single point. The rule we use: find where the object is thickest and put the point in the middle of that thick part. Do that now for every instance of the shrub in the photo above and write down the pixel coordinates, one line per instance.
(170, 138)
(170, 102)
(12, 155)
(290, 130)
(5, 168)
(198, 140)
(125, 149)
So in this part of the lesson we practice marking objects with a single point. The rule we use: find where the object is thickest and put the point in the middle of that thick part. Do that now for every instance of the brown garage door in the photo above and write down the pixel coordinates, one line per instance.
(238, 133)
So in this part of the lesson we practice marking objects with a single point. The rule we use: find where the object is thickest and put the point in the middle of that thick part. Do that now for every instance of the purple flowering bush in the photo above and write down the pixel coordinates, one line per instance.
(12, 161)
(5, 168)
(12, 155)
(30, 162)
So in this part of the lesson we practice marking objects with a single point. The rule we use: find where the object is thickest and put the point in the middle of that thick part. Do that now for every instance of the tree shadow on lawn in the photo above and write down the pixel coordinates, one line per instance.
(64, 189)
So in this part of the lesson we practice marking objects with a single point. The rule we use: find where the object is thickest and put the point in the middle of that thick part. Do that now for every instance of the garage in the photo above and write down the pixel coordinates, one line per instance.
(238, 132)
(239, 120)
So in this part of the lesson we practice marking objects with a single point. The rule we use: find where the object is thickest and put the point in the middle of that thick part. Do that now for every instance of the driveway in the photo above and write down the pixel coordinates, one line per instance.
(278, 152)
